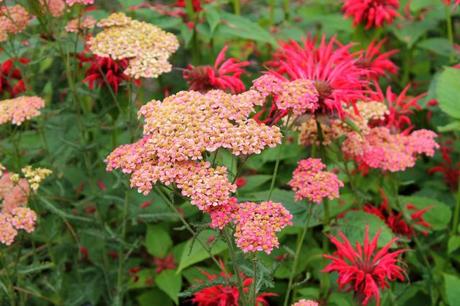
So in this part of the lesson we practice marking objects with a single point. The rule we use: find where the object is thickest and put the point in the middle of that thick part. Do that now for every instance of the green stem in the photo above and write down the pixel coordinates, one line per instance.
(300, 241)
(236, 269)
(286, 8)
(456, 219)
(450, 33)
(237, 7)
(118, 301)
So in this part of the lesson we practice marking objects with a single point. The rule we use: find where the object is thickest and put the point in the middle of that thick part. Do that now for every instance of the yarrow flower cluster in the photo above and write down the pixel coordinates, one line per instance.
(380, 148)
(13, 20)
(55, 7)
(257, 225)
(145, 46)
(224, 74)
(80, 24)
(20, 109)
(310, 182)
(304, 302)
(365, 268)
(371, 13)
(83, 2)
(35, 176)
(14, 195)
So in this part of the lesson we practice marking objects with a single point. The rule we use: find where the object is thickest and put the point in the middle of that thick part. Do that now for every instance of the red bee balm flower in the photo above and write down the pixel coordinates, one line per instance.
(225, 75)
(104, 71)
(364, 269)
(378, 64)
(11, 78)
(330, 66)
(372, 13)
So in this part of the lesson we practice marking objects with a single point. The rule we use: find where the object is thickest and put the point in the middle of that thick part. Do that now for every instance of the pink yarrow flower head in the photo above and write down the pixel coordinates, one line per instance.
(381, 149)
(83, 2)
(371, 13)
(13, 20)
(55, 7)
(330, 66)
(224, 74)
(257, 225)
(310, 182)
(20, 109)
(304, 302)
(364, 269)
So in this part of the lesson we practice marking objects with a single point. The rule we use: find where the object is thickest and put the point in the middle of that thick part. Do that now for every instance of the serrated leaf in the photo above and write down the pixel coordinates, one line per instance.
(438, 216)
(157, 241)
(170, 283)
(354, 223)
(194, 252)
(447, 92)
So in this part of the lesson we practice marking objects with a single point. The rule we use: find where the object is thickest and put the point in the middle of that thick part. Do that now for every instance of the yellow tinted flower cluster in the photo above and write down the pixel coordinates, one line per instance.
(35, 176)
(146, 46)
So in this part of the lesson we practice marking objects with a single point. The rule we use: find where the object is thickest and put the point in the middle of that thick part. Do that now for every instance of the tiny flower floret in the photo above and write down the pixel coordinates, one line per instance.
(20, 109)
(312, 183)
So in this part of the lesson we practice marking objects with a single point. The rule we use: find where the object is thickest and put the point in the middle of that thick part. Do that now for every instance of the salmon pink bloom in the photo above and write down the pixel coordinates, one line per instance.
(84, 2)
(224, 75)
(330, 66)
(364, 269)
(371, 13)
(11, 81)
(304, 302)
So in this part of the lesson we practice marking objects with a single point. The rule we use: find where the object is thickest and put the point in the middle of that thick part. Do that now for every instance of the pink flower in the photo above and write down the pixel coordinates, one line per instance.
(304, 302)
(224, 75)
(371, 13)
(83, 2)
(330, 66)
(310, 182)
(364, 269)
(13, 20)
(257, 225)
(20, 109)
(381, 149)
(376, 63)
(11, 81)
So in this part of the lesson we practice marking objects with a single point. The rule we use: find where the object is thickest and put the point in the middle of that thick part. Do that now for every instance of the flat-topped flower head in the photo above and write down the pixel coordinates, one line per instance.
(82, 2)
(189, 123)
(20, 109)
(381, 149)
(310, 182)
(224, 74)
(145, 46)
(365, 268)
(13, 20)
(35, 176)
(371, 13)
(304, 302)
(55, 7)
(80, 24)
(257, 225)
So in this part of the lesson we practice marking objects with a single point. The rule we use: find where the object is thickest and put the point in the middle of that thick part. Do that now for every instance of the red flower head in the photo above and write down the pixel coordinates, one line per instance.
(333, 69)
(400, 107)
(196, 4)
(448, 167)
(104, 71)
(11, 78)
(376, 63)
(395, 220)
(372, 13)
(222, 295)
(225, 75)
(166, 263)
(364, 269)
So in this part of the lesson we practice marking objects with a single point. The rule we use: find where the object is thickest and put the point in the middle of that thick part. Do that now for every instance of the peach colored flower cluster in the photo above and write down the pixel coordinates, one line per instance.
(146, 46)
(300, 95)
(20, 109)
(310, 182)
(361, 115)
(304, 302)
(187, 124)
(55, 7)
(14, 194)
(13, 20)
(257, 225)
(80, 24)
(84, 2)
(382, 149)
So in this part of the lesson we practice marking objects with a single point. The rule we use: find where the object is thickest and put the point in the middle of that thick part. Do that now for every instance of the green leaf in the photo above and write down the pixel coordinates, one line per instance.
(157, 241)
(438, 216)
(194, 252)
(170, 283)
(437, 45)
(453, 244)
(354, 223)
(244, 28)
(144, 279)
(447, 92)
(450, 127)
(154, 297)
(213, 18)
(451, 285)
(254, 181)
